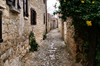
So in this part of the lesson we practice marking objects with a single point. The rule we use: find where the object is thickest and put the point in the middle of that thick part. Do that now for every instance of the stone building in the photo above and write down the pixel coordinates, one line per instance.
(55, 23)
(49, 22)
(68, 32)
(17, 19)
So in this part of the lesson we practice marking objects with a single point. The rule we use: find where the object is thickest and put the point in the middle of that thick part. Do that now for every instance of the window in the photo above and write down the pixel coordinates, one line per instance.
(44, 18)
(1, 40)
(33, 17)
(25, 7)
(14, 3)
(44, 1)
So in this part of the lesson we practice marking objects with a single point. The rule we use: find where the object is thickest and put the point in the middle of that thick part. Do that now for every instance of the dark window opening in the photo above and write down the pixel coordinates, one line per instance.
(18, 4)
(25, 7)
(33, 17)
(44, 18)
(1, 40)
(13, 2)
(44, 1)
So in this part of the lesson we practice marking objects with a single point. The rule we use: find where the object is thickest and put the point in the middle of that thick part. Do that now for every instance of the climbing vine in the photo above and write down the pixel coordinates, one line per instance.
(86, 20)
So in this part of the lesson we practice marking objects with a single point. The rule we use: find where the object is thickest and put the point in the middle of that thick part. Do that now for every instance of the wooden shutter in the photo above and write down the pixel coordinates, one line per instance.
(44, 18)
(35, 17)
(26, 8)
(1, 26)
(9, 2)
(24, 5)
(13, 2)
(44, 1)
(31, 16)
(18, 4)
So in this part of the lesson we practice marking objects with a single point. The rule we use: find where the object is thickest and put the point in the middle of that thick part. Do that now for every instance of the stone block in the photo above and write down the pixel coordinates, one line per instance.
(3, 56)
(6, 13)
(6, 63)
(4, 29)
(4, 36)
(9, 51)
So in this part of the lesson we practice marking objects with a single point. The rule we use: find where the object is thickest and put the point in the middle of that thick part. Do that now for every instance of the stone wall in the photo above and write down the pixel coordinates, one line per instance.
(49, 22)
(65, 31)
(51, 25)
(54, 23)
(59, 24)
(15, 32)
(70, 40)
(68, 32)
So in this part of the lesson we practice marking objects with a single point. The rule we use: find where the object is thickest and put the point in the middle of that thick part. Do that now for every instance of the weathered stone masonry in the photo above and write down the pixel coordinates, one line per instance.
(68, 32)
(15, 31)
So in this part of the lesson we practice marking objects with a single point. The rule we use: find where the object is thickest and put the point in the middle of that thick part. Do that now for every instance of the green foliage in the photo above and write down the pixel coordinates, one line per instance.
(69, 27)
(76, 9)
(85, 57)
(46, 32)
(65, 43)
(80, 13)
(74, 37)
(98, 53)
(44, 36)
(32, 42)
(86, 44)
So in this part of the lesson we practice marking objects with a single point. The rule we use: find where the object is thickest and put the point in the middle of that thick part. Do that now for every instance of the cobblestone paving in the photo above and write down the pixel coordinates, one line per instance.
(52, 52)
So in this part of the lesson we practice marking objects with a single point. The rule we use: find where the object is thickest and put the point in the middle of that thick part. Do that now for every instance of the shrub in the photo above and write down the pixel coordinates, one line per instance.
(32, 42)
(44, 36)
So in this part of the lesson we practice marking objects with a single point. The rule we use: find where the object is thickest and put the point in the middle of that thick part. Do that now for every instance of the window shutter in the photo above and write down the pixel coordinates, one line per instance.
(27, 8)
(1, 40)
(44, 1)
(35, 17)
(13, 2)
(44, 18)
(24, 5)
(18, 4)
(31, 16)
(9, 2)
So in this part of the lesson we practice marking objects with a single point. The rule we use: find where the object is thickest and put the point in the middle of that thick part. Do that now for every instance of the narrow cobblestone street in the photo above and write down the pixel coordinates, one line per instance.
(52, 52)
